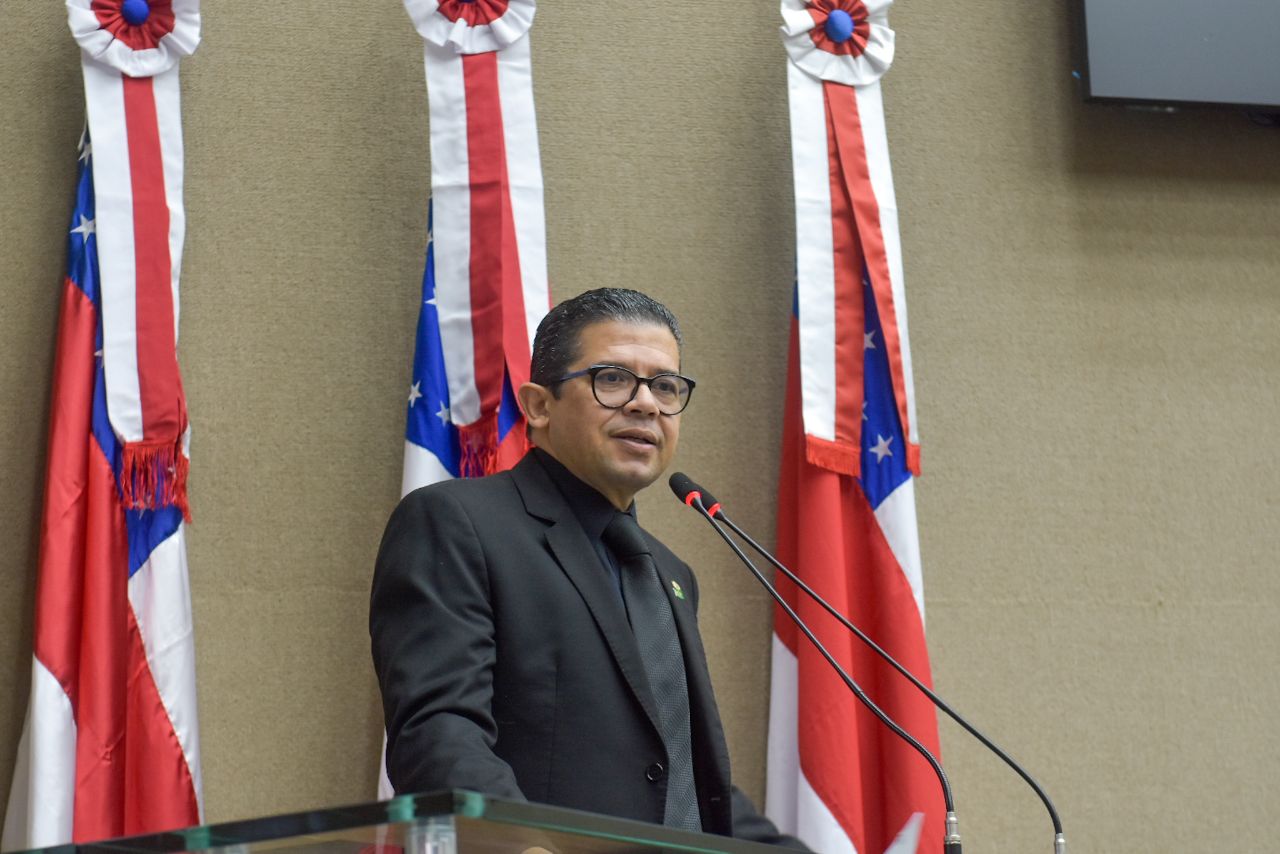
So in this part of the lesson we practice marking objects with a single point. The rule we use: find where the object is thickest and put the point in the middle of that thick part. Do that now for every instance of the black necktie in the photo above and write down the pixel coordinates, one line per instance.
(655, 631)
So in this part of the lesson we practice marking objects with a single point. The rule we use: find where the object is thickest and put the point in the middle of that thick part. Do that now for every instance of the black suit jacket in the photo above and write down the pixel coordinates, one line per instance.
(507, 664)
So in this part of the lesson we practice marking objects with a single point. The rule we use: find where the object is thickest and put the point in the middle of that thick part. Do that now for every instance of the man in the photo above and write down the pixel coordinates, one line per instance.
(530, 640)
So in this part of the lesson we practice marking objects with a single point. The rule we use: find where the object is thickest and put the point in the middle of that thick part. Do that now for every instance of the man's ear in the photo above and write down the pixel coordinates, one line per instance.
(535, 403)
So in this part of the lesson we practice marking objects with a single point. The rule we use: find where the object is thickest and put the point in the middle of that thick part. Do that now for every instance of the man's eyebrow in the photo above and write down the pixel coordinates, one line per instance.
(624, 364)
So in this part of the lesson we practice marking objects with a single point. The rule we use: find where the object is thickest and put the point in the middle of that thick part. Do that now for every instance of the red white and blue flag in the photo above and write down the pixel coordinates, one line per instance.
(484, 286)
(110, 746)
(837, 777)
(433, 450)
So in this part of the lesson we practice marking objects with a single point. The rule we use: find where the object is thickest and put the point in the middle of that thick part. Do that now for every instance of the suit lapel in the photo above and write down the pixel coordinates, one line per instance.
(578, 559)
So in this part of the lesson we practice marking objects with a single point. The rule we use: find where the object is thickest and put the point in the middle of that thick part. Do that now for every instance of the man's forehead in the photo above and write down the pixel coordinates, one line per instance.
(606, 334)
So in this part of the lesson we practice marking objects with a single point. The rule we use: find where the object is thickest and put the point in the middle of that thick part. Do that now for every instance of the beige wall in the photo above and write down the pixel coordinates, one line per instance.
(1095, 309)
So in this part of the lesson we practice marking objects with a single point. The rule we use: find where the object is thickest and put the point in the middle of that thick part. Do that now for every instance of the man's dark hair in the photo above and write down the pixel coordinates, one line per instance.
(555, 347)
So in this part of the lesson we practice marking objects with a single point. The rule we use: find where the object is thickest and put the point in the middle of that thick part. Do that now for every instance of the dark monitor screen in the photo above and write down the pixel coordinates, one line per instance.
(1216, 52)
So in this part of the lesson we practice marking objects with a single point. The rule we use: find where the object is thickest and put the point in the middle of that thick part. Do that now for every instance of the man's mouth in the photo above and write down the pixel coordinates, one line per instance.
(638, 437)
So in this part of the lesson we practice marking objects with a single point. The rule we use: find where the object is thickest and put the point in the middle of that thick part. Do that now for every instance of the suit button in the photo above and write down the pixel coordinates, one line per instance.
(655, 772)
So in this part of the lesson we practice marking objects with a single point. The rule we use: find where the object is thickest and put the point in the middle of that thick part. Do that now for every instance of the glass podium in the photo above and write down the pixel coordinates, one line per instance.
(456, 822)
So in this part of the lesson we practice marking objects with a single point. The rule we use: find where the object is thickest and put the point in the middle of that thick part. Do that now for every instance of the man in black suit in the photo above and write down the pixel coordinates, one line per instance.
(531, 642)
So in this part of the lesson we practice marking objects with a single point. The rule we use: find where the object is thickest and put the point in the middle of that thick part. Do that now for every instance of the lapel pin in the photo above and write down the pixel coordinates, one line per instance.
(677, 589)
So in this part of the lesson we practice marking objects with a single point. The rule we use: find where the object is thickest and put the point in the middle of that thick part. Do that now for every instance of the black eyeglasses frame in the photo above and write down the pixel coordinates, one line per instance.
(635, 389)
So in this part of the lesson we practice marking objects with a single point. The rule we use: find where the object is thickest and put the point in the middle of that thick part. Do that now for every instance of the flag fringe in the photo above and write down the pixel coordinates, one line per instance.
(839, 457)
(153, 475)
(479, 445)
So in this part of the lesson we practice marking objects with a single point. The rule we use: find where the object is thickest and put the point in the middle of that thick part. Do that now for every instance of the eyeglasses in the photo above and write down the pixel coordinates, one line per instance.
(615, 387)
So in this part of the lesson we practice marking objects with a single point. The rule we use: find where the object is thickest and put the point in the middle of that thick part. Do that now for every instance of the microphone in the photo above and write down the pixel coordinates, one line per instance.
(690, 493)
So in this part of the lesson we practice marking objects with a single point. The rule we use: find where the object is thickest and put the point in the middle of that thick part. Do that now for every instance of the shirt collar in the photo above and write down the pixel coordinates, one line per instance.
(593, 510)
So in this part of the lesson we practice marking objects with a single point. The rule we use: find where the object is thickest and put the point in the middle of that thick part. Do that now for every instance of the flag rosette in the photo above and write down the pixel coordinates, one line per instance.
(471, 26)
(844, 41)
(140, 38)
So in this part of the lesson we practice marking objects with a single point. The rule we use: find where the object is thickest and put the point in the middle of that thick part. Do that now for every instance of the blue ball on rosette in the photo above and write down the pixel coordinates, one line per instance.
(136, 12)
(839, 26)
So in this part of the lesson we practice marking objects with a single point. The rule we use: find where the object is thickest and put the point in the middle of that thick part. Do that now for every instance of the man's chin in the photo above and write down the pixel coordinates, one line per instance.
(636, 476)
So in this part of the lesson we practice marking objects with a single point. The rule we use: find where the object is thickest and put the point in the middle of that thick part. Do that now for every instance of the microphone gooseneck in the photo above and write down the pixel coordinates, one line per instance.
(693, 497)
(1060, 843)
(911, 677)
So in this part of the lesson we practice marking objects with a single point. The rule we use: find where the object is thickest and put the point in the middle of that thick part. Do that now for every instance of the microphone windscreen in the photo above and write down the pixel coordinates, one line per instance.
(682, 486)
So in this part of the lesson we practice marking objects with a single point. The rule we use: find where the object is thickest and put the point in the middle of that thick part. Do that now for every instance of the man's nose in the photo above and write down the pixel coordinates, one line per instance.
(643, 401)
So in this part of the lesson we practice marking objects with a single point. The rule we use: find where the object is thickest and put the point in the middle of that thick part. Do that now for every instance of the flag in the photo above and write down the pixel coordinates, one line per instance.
(837, 777)
(110, 745)
(432, 448)
(484, 284)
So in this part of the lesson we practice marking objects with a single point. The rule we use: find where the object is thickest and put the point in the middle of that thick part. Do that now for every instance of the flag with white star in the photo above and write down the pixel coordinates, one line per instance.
(431, 440)
(432, 451)
(114, 660)
(837, 777)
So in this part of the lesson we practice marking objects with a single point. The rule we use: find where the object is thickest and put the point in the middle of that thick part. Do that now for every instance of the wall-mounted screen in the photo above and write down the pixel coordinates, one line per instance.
(1191, 51)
